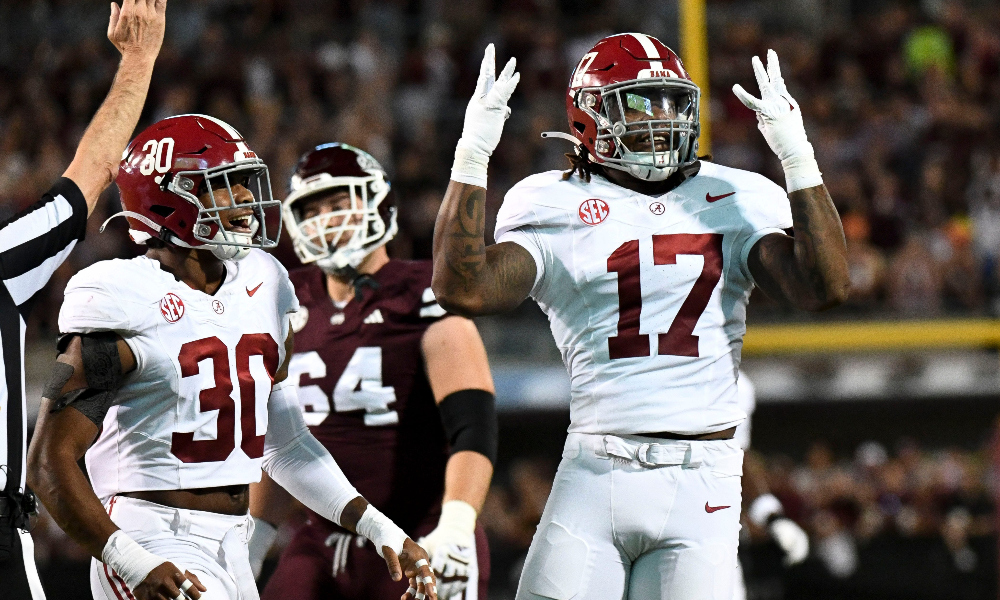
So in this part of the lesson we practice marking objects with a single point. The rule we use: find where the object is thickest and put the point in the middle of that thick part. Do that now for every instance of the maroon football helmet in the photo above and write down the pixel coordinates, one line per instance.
(168, 167)
(632, 105)
(368, 224)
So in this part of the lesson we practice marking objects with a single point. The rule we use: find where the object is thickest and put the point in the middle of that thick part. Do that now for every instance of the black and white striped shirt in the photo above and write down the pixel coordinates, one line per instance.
(33, 244)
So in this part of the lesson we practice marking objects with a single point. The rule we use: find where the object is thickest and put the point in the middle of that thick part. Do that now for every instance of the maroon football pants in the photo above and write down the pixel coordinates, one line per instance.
(325, 564)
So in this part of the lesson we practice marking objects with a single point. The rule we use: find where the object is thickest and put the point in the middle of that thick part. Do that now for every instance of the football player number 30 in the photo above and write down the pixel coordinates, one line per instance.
(679, 339)
(359, 387)
(219, 397)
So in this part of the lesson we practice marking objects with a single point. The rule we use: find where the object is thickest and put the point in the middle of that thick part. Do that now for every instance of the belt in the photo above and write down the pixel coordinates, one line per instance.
(720, 455)
(725, 434)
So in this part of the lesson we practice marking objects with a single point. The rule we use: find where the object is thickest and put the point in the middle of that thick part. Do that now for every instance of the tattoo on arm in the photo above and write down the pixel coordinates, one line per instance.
(808, 270)
(470, 277)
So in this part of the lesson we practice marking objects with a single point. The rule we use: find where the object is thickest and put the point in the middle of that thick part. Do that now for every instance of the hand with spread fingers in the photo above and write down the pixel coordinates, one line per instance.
(780, 120)
(136, 27)
(412, 562)
(484, 119)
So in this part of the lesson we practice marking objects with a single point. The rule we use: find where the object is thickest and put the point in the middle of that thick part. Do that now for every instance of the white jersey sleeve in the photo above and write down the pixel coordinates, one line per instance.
(765, 208)
(94, 301)
(528, 223)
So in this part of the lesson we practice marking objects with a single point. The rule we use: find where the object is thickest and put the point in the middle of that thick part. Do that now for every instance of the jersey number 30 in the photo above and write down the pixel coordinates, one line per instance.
(679, 339)
(219, 397)
(359, 387)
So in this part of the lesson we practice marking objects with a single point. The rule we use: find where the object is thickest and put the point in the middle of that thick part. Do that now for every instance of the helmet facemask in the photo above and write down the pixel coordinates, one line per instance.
(648, 127)
(342, 238)
(248, 220)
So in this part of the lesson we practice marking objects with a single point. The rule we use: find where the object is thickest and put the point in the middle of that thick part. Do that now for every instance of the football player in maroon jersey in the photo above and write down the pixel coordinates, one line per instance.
(387, 380)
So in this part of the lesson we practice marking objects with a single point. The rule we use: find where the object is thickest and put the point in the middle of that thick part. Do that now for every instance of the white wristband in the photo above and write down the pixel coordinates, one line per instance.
(131, 561)
(801, 170)
(458, 517)
(469, 166)
(762, 508)
(381, 530)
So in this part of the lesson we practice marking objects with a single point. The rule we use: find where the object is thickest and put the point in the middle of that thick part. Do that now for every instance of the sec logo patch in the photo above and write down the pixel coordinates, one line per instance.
(594, 211)
(172, 308)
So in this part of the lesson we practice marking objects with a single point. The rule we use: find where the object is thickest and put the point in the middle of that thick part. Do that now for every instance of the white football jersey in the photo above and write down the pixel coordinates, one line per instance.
(646, 296)
(193, 413)
(746, 395)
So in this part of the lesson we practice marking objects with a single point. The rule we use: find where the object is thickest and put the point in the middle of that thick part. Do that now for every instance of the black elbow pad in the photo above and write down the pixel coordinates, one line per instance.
(470, 422)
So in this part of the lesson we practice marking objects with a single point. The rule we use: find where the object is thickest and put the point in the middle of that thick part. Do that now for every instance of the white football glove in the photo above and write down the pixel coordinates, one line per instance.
(792, 539)
(484, 119)
(786, 532)
(452, 548)
(780, 120)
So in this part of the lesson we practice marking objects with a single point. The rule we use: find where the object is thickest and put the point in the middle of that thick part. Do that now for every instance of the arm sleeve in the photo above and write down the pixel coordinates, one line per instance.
(296, 460)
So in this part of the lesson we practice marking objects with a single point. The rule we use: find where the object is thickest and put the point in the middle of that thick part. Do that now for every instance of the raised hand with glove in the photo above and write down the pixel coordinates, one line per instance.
(780, 120)
(766, 511)
(809, 270)
(484, 119)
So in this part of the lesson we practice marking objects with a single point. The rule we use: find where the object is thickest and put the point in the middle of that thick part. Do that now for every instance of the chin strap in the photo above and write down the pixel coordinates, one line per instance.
(358, 280)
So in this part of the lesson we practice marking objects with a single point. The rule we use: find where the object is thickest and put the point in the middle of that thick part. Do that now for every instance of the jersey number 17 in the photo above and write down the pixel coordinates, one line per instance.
(679, 339)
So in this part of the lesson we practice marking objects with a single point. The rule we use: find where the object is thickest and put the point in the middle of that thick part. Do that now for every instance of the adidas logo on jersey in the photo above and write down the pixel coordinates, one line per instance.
(375, 317)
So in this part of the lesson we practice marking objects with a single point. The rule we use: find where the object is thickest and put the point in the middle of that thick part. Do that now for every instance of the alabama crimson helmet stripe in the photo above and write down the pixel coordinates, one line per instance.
(651, 51)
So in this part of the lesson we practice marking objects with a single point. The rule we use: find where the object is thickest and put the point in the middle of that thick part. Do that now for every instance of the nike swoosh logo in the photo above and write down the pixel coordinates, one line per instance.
(254, 291)
(712, 509)
(712, 198)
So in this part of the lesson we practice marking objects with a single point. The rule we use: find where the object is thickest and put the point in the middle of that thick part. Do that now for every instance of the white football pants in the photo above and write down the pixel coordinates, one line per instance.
(210, 545)
(638, 518)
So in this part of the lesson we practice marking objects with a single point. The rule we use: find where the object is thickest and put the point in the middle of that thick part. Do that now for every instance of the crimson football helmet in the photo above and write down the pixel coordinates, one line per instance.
(170, 168)
(632, 105)
(369, 223)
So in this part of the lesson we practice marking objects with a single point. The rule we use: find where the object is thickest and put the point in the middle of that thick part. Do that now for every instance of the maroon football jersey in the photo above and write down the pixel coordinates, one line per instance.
(364, 390)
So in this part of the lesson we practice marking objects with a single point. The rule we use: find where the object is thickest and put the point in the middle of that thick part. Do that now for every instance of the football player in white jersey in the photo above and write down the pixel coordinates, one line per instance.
(172, 371)
(643, 257)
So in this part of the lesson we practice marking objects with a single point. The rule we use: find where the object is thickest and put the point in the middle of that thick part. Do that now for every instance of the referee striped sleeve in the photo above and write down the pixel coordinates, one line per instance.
(34, 243)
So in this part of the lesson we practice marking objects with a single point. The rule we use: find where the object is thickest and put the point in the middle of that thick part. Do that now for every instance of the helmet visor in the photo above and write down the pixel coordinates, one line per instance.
(652, 119)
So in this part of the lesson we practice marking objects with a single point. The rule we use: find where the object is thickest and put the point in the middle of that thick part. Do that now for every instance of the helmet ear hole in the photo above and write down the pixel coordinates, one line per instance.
(579, 126)
(163, 211)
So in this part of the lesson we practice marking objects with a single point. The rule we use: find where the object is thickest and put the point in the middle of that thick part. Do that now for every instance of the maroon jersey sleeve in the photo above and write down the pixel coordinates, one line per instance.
(364, 389)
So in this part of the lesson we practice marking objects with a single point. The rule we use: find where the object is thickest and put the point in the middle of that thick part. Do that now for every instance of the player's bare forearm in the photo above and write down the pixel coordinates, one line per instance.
(471, 278)
(467, 478)
(808, 270)
(95, 164)
(136, 29)
(61, 439)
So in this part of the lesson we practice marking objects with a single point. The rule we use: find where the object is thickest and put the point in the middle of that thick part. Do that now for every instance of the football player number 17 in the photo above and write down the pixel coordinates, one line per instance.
(359, 387)
(679, 339)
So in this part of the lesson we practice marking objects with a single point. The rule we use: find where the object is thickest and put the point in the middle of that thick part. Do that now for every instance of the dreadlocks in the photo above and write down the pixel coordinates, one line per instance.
(579, 162)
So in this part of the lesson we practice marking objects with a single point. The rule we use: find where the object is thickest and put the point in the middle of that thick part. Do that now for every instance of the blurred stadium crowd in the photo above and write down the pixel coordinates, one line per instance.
(901, 99)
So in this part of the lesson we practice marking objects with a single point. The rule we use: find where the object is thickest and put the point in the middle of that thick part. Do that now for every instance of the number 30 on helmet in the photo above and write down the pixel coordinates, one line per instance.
(172, 177)
(632, 105)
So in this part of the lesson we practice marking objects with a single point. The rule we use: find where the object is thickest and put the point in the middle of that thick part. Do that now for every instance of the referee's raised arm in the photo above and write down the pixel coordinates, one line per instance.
(35, 242)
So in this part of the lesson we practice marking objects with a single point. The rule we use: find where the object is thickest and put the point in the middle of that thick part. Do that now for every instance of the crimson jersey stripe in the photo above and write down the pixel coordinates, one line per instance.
(111, 582)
